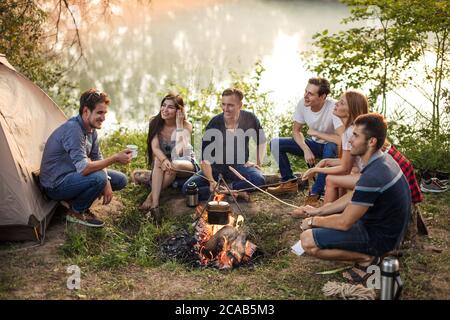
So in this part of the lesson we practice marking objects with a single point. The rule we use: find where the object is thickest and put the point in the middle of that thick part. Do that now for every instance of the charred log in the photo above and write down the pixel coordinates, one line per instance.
(180, 247)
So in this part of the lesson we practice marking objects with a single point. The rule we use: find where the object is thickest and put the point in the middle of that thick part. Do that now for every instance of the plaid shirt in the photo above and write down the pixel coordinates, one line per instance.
(408, 171)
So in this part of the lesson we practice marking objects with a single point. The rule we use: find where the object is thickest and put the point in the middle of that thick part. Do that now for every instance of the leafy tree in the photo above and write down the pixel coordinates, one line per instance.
(431, 19)
(24, 42)
(385, 53)
(372, 56)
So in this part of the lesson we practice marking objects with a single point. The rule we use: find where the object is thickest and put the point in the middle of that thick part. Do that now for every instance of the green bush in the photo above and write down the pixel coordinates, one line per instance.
(418, 142)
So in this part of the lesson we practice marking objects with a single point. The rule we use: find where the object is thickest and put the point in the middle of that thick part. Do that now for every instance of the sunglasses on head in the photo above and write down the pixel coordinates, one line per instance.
(93, 94)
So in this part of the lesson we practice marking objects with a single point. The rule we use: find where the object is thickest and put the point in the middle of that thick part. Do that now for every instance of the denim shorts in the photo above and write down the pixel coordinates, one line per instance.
(355, 239)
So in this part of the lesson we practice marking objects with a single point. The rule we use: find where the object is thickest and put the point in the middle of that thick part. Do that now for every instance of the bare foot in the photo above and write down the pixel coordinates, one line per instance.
(299, 213)
(240, 194)
(244, 196)
(147, 204)
(304, 212)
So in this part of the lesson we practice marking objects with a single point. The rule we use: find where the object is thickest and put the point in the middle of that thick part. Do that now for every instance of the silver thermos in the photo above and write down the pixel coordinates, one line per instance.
(192, 194)
(391, 284)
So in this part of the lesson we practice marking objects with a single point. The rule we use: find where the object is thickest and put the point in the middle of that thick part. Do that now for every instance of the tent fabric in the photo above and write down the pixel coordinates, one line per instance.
(27, 118)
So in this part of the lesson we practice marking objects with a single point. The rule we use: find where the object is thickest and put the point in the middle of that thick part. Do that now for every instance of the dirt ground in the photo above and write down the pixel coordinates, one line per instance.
(40, 272)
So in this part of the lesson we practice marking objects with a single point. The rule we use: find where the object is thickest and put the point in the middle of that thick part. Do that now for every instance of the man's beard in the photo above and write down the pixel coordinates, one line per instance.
(94, 125)
(361, 151)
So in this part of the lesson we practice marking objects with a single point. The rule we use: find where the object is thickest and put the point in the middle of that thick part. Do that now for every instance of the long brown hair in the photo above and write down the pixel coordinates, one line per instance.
(156, 123)
(357, 105)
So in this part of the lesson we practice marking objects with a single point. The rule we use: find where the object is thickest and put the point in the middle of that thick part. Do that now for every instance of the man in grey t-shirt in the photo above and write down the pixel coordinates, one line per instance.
(73, 168)
(226, 143)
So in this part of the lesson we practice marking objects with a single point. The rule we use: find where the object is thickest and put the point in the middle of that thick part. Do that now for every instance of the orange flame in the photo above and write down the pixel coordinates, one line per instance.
(219, 197)
(231, 253)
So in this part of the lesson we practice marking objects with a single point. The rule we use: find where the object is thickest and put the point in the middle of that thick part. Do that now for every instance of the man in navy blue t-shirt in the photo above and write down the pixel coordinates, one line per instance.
(374, 222)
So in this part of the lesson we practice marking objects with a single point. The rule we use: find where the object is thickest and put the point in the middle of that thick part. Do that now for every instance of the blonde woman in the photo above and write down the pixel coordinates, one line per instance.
(350, 105)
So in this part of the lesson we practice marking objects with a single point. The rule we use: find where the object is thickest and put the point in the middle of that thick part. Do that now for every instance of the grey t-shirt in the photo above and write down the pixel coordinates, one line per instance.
(231, 147)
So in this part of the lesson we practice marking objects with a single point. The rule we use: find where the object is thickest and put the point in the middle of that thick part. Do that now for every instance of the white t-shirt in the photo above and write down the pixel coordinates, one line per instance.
(346, 146)
(323, 121)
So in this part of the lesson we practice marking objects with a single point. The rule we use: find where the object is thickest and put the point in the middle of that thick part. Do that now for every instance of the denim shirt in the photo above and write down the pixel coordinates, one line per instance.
(67, 150)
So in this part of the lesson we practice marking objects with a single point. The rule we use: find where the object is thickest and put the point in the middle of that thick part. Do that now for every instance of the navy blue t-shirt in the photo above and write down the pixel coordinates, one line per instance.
(384, 189)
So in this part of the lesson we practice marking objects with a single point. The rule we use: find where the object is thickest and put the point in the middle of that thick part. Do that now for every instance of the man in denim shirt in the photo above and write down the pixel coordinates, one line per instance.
(72, 166)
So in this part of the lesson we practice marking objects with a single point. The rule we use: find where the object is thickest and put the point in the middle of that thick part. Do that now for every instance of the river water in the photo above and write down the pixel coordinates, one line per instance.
(144, 48)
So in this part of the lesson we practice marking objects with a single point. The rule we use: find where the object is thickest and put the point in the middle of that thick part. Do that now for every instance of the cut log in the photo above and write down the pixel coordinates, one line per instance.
(214, 245)
(421, 226)
(416, 225)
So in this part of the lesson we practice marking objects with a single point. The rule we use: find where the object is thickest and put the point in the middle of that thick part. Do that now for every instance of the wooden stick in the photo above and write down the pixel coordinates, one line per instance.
(240, 190)
(244, 179)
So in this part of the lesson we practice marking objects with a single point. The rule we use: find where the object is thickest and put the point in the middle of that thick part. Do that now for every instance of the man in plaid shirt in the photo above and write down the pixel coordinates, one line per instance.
(416, 194)
(408, 171)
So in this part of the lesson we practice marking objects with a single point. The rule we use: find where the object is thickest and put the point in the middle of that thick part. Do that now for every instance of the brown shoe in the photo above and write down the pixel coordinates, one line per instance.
(312, 200)
(86, 218)
(287, 187)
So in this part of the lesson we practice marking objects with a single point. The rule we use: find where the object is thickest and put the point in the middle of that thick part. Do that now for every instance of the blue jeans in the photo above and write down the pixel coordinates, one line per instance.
(280, 147)
(254, 175)
(83, 190)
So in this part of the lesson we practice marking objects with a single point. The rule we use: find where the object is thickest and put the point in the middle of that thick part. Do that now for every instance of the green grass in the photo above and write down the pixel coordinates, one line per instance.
(129, 238)
(126, 249)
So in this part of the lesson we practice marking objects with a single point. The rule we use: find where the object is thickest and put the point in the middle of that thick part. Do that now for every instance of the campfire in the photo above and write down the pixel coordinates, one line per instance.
(219, 238)
(221, 241)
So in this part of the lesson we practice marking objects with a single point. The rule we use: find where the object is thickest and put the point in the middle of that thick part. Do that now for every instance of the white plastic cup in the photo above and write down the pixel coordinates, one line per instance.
(134, 150)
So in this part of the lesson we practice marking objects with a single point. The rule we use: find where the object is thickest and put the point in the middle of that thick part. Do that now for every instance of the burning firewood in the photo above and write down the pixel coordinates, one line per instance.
(215, 244)
(230, 246)
(219, 238)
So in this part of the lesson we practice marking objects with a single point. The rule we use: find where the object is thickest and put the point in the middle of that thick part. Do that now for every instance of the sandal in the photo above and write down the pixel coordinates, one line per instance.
(358, 274)
(141, 177)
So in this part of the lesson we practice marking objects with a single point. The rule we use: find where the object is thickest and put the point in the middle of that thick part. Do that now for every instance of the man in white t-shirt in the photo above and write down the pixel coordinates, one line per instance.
(324, 128)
